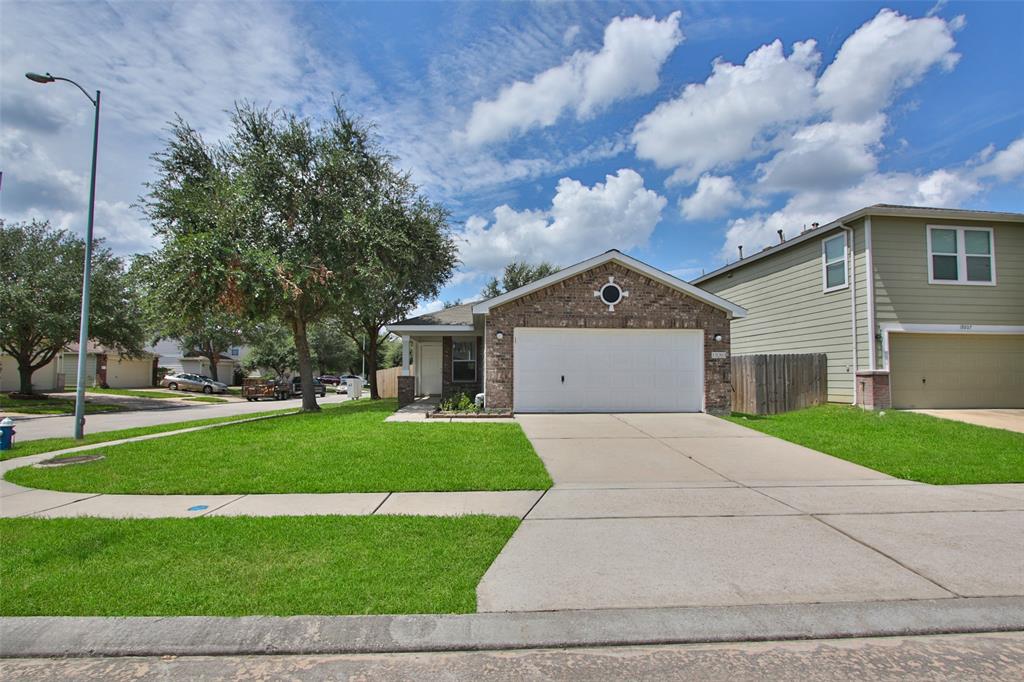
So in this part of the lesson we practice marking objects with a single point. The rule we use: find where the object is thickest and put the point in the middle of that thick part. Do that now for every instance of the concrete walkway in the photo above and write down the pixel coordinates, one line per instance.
(689, 510)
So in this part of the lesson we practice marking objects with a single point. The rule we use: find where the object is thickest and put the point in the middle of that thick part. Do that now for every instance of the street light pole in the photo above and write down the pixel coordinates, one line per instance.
(83, 330)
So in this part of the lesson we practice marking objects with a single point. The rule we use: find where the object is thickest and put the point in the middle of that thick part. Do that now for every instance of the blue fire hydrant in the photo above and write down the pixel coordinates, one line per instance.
(6, 434)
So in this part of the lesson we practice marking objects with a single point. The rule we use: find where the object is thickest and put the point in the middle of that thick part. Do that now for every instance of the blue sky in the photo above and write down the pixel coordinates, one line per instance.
(552, 131)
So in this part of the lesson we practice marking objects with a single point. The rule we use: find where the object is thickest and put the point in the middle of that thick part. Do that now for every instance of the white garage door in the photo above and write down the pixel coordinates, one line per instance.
(608, 370)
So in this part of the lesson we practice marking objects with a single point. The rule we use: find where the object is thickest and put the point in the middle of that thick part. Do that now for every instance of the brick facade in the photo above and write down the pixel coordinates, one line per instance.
(873, 390)
(571, 303)
(449, 387)
(406, 390)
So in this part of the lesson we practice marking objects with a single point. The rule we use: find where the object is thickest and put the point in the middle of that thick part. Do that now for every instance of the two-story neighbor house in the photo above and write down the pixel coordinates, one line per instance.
(915, 307)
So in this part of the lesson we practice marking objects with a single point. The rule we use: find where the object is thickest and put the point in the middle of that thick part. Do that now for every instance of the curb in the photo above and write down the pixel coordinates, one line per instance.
(39, 636)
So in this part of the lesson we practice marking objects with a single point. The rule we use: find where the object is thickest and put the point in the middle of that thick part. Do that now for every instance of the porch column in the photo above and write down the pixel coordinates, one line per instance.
(405, 356)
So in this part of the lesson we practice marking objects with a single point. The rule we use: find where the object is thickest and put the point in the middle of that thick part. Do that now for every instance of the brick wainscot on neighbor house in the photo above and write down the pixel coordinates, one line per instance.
(610, 334)
(915, 307)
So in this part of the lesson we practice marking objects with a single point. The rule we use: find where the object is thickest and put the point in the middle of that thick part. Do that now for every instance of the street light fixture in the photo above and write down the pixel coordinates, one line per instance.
(83, 330)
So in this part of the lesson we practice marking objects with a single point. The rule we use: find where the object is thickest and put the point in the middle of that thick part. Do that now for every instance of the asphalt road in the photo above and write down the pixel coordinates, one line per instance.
(943, 657)
(30, 428)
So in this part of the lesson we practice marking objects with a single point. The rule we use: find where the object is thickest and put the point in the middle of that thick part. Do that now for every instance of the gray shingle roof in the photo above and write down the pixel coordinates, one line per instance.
(456, 315)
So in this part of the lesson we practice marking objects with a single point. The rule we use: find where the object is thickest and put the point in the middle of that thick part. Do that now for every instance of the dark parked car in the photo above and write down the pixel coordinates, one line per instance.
(329, 379)
(318, 388)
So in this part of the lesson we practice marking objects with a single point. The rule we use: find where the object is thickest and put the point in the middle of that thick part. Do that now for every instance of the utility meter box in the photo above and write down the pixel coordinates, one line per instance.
(355, 388)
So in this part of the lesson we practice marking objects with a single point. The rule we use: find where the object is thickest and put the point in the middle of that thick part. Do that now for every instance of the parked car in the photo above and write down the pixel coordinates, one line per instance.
(329, 379)
(342, 387)
(192, 382)
(318, 388)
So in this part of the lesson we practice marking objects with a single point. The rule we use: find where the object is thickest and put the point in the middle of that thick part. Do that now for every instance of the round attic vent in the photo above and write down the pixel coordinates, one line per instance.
(611, 293)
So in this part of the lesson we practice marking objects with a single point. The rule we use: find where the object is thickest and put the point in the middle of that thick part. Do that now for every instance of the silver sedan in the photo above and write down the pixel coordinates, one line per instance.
(192, 382)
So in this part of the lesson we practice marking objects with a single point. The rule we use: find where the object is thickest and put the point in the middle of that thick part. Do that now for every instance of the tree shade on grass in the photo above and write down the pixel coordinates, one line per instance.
(906, 445)
(224, 566)
(347, 449)
(45, 405)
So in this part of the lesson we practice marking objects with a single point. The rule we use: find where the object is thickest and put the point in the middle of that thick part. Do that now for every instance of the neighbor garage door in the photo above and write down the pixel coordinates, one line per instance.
(956, 370)
(608, 370)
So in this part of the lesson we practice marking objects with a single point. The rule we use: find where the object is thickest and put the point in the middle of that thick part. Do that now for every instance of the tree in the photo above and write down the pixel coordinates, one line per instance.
(40, 297)
(264, 223)
(517, 274)
(404, 253)
(332, 349)
(208, 333)
(271, 348)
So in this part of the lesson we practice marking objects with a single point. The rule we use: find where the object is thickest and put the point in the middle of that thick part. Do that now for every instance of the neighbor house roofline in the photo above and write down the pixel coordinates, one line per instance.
(892, 210)
(483, 307)
(428, 328)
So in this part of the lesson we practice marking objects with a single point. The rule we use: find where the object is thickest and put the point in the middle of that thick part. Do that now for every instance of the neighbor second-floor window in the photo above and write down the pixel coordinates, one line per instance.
(961, 255)
(833, 255)
(464, 360)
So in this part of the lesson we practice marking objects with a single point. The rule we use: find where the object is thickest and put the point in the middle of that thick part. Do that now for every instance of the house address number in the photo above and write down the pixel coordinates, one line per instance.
(719, 354)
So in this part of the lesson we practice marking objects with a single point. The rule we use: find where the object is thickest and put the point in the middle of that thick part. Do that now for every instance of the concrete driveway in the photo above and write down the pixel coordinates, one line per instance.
(1008, 418)
(653, 510)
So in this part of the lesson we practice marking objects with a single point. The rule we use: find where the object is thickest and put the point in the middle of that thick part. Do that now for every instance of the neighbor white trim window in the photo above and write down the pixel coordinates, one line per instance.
(833, 263)
(961, 255)
(464, 360)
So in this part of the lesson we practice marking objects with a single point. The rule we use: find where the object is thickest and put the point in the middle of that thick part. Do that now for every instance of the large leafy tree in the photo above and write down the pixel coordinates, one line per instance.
(404, 253)
(273, 348)
(267, 223)
(333, 350)
(208, 333)
(40, 297)
(515, 275)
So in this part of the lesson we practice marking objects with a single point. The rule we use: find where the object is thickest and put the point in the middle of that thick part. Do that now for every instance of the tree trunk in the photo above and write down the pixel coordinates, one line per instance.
(371, 362)
(213, 357)
(25, 372)
(305, 365)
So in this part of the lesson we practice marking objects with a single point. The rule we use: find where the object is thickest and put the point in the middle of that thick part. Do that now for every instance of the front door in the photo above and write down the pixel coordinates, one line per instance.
(428, 368)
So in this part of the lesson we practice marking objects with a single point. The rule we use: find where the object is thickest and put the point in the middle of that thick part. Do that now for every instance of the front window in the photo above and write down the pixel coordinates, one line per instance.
(833, 255)
(464, 360)
(961, 255)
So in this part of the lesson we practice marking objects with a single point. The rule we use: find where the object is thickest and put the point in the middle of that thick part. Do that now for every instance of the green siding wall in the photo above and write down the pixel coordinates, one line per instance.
(902, 291)
(789, 313)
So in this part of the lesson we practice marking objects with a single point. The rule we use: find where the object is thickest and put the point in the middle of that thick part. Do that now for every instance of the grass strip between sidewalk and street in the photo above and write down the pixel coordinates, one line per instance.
(240, 566)
(344, 448)
(128, 392)
(41, 445)
(906, 445)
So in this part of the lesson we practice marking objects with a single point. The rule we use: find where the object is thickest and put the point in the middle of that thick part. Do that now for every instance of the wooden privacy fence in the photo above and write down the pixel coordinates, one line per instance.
(769, 384)
(387, 381)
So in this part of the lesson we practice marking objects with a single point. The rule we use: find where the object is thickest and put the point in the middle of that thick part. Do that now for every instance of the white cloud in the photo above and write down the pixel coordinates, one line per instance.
(824, 156)
(725, 118)
(569, 37)
(887, 54)
(427, 307)
(581, 222)
(714, 197)
(627, 65)
(1004, 165)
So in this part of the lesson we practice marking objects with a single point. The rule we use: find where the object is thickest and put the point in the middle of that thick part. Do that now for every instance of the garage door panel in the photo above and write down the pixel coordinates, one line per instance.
(608, 370)
(957, 370)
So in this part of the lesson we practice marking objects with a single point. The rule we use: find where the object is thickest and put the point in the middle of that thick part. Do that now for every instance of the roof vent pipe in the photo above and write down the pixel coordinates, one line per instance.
(741, 251)
(782, 237)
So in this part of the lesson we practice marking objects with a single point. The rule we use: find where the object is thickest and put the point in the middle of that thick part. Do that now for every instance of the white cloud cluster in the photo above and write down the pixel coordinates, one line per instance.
(581, 222)
(714, 196)
(627, 65)
(724, 119)
(826, 131)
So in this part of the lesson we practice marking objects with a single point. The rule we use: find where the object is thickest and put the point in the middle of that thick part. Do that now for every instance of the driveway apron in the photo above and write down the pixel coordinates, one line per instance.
(652, 510)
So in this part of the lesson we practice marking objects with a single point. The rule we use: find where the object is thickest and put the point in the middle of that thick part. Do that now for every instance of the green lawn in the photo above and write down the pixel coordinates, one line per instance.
(49, 406)
(344, 449)
(205, 399)
(902, 444)
(224, 566)
(131, 393)
(34, 447)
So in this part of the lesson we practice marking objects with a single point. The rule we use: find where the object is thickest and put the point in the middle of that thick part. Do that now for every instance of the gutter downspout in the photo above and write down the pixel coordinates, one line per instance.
(869, 264)
(851, 264)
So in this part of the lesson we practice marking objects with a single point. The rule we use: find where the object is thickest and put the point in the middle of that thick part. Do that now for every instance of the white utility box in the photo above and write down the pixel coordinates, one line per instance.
(355, 388)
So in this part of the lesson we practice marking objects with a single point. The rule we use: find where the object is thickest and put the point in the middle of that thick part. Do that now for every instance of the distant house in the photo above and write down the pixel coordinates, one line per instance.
(106, 367)
(914, 307)
(43, 379)
(174, 359)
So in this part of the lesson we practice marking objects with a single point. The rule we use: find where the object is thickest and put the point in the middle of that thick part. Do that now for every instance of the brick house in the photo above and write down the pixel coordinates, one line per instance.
(609, 334)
